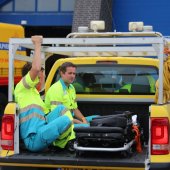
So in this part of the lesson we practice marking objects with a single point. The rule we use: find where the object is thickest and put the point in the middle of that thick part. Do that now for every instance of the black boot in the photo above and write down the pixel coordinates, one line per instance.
(70, 146)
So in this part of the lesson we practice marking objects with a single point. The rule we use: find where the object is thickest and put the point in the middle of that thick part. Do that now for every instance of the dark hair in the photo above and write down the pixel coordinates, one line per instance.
(64, 66)
(27, 67)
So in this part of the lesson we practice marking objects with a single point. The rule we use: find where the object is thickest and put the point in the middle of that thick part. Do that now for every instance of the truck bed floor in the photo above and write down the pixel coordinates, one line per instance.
(64, 158)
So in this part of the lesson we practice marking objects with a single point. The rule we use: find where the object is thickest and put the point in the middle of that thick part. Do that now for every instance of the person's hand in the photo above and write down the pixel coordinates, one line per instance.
(37, 39)
(84, 120)
(76, 121)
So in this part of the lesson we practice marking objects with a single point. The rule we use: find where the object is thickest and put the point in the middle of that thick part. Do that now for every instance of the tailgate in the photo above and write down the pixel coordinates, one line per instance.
(112, 161)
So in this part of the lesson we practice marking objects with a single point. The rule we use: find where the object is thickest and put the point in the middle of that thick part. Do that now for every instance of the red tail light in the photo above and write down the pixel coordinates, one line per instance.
(159, 136)
(7, 132)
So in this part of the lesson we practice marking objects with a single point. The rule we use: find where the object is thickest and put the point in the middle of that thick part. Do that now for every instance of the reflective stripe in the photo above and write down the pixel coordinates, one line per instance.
(55, 103)
(64, 111)
(26, 85)
(30, 107)
(30, 116)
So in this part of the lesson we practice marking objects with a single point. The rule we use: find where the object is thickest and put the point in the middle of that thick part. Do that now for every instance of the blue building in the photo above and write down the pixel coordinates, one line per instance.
(151, 12)
(55, 17)
(47, 17)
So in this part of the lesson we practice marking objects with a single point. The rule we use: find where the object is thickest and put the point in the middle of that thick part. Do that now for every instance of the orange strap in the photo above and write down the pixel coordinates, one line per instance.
(137, 138)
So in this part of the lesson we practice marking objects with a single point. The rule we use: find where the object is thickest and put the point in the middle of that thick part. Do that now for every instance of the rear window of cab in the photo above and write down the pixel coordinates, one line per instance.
(114, 79)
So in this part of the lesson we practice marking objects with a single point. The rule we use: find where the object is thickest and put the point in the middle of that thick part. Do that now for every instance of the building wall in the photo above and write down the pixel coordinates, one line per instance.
(37, 12)
(151, 12)
(59, 13)
(87, 10)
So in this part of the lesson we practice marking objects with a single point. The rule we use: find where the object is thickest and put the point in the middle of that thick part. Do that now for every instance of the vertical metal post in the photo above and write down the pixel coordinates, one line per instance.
(161, 60)
(11, 72)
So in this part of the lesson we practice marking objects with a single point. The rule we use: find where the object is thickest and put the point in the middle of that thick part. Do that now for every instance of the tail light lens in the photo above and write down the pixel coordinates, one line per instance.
(7, 132)
(159, 136)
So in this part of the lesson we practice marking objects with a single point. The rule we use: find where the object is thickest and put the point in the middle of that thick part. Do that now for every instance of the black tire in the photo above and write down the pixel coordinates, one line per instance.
(70, 146)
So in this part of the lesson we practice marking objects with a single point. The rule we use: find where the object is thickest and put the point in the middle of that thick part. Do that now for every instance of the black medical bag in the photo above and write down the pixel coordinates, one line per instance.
(113, 133)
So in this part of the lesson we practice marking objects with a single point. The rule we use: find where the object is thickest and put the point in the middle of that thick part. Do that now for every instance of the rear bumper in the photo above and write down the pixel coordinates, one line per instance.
(160, 166)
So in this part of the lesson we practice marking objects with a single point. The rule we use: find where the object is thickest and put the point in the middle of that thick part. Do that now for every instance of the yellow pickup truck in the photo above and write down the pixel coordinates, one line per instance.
(117, 71)
(8, 31)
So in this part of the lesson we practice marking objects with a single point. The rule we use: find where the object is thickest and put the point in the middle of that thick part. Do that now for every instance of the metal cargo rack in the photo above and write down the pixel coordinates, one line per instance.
(110, 44)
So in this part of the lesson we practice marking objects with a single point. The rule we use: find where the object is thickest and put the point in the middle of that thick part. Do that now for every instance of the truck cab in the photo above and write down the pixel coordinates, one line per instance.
(118, 71)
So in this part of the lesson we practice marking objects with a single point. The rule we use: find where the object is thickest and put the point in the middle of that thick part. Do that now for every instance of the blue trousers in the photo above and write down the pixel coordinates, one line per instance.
(49, 132)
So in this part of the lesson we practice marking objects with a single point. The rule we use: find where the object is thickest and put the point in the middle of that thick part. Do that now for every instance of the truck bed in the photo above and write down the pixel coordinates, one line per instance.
(65, 159)
(62, 158)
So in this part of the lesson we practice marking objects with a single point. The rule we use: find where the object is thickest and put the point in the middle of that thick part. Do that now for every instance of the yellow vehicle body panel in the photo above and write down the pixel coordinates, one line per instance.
(164, 158)
(115, 96)
(5, 153)
(65, 167)
(10, 109)
(160, 111)
(10, 31)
